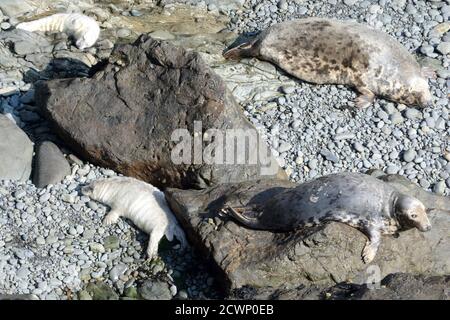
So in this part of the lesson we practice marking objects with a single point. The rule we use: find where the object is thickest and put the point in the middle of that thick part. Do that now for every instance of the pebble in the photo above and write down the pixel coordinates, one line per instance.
(439, 187)
(409, 155)
(443, 48)
(117, 271)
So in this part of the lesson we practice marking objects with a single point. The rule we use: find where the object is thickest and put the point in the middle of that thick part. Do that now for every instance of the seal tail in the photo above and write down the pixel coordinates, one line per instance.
(243, 50)
(249, 222)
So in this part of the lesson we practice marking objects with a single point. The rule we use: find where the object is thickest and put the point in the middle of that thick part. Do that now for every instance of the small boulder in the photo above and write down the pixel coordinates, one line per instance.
(16, 151)
(155, 290)
(50, 165)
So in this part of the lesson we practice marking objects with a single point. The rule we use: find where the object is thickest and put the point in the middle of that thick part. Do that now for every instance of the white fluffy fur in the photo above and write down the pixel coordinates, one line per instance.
(83, 29)
(142, 203)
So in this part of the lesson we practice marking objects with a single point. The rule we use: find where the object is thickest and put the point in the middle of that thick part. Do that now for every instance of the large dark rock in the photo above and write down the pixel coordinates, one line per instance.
(123, 117)
(313, 256)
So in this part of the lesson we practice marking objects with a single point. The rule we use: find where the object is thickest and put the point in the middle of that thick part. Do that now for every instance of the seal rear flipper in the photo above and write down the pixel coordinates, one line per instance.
(247, 221)
(175, 231)
(365, 99)
(372, 244)
(246, 49)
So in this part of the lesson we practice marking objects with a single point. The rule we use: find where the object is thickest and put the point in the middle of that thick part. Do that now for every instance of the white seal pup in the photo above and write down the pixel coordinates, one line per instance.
(84, 30)
(330, 51)
(358, 200)
(142, 203)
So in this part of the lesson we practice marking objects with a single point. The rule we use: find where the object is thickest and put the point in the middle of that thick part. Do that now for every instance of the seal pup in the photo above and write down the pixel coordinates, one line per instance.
(342, 52)
(142, 203)
(358, 200)
(83, 29)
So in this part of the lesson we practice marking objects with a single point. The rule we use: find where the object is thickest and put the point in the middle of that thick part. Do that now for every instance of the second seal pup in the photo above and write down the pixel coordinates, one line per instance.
(342, 52)
(359, 200)
(82, 28)
(142, 203)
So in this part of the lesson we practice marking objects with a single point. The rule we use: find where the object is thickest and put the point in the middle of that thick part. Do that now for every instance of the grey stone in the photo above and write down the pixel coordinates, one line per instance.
(439, 187)
(117, 271)
(50, 165)
(409, 155)
(444, 47)
(155, 290)
(16, 151)
(101, 291)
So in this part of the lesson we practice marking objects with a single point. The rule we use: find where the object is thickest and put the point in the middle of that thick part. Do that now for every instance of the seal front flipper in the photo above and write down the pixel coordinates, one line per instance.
(365, 99)
(372, 244)
(112, 217)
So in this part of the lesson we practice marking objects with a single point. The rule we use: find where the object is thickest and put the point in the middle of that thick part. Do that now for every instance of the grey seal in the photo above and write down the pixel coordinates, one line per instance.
(329, 51)
(358, 200)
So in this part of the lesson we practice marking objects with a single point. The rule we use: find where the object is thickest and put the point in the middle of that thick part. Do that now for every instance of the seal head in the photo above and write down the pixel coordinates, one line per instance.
(411, 213)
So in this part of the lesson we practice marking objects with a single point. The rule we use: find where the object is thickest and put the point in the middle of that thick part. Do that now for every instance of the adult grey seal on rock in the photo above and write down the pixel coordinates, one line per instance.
(358, 200)
(342, 52)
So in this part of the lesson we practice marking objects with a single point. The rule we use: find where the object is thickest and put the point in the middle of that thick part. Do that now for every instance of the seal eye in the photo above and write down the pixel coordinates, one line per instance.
(414, 216)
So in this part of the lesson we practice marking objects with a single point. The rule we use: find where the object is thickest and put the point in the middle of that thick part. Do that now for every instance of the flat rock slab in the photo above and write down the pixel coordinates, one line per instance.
(124, 116)
(15, 8)
(16, 151)
(323, 255)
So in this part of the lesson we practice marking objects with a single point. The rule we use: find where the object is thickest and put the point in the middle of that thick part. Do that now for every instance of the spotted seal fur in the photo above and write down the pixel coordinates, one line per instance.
(358, 200)
(342, 52)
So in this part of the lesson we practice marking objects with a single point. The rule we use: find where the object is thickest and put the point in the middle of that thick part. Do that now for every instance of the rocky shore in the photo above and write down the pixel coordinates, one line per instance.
(52, 241)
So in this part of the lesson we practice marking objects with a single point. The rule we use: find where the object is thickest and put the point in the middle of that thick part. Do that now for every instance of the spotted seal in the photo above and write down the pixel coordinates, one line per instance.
(358, 200)
(342, 52)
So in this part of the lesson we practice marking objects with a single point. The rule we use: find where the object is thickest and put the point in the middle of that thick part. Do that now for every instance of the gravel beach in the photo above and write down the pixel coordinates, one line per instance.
(52, 241)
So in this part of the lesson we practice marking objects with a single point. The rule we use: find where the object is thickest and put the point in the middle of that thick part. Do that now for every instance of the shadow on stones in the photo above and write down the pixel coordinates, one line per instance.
(62, 68)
